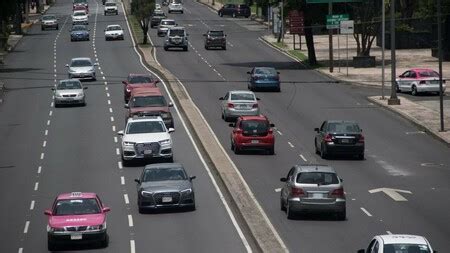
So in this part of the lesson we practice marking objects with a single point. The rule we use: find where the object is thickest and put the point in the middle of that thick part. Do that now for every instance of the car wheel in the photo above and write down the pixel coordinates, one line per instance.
(247, 16)
(234, 15)
(105, 242)
(141, 210)
(181, 12)
(315, 147)
(206, 47)
(71, 39)
(185, 48)
(224, 47)
(278, 89)
(323, 154)
(105, 13)
(236, 150)
(221, 14)
(361, 156)
(414, 90)
(169, 160)
(342, 215)
(51, 246)
(166, 48)
(170, 12)
(42, 28)
(117, 13)
(57, 27)
(125, 163)
(282, 206)
(289, 212)
(232, 145)
(397, 88)
(271, 151)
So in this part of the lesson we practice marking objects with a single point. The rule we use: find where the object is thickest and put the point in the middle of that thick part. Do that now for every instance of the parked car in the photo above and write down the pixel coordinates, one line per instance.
(264, 78)
(394, 243)
(49, 21)
(176, 38)
(80, 18)
(235, 10)
(237, 103)
(252, 132)
(136, 81)
(157, 16)
(165, 185)
(69, 91)
(82, 68)
(419, 80)
(111, 8)
(77, 218)
(164, 26)
(79, 32)
(215, 38)
(313, 189)
(114, 32)
(341, 137)
(146, 138)
(149, 102)
(175, 7)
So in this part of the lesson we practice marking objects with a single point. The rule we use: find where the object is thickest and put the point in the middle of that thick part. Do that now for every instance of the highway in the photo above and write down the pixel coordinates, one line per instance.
(398, 155)
(46, 151)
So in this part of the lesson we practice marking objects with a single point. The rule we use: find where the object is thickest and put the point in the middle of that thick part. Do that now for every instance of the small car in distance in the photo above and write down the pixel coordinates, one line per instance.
(165, 185)
(157, 16)
(137, 81)
(80, 18)
(114, 32)
(419, 80)
(69, 91)
(215, 38)
(79, 32)
(77, 218)
(82, 68)
(341, 137)
(403, 243)
(264, 78)
(49, 21)
(235, 10)
(252, 132)
(111, 8)
(77, 3)
(81, 8)
(312, 188)
(175, 7)
(237, 103)
(176, 38)
(164, 26)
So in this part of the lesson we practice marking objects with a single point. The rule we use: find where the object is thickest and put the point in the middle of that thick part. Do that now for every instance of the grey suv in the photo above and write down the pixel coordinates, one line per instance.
(49, 21)
(312, 188)
(176, 38)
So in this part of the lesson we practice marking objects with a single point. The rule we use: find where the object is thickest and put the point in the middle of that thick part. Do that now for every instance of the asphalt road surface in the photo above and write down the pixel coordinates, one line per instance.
(46, 151)
(398, 155)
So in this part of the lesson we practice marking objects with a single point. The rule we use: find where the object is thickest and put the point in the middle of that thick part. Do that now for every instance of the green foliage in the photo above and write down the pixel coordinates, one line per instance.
(142, 10)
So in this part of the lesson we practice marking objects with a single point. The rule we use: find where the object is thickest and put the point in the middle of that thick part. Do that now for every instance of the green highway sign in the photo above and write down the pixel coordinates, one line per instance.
(333, 21)
(332, 1)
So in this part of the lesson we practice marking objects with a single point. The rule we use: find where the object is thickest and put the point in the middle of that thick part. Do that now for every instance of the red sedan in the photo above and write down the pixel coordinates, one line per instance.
(135, 81)
(252, 132)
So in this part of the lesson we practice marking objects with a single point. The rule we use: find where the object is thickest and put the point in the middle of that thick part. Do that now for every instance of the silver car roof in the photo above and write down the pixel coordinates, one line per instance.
(163, 165)
(315, 168)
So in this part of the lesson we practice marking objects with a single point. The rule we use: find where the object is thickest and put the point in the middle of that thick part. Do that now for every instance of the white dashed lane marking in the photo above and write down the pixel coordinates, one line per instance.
(127, 200)
(39, 170)
(42, 156)
(117, 151)
(32, 205)
(114, 128)
(36, 186)
(130, 220)
(27, 225)
(303, 158)
(122, 180)
(46, 132)
(290, 144)
(112, 119)
(115, 139)
(366, 212)
(119, 164)
(132, 246)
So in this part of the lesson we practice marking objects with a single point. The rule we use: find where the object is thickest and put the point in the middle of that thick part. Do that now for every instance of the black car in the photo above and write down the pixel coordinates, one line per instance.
(156, 18)
(339, 137)
(215, 39)
(165, 185)
(235, 10)
(79, 32)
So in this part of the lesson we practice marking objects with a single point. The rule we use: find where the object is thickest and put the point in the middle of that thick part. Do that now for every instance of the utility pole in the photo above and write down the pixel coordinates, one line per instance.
(282, 22)
(393, 100)
(383, 46)
(330, 37)
(441, 92)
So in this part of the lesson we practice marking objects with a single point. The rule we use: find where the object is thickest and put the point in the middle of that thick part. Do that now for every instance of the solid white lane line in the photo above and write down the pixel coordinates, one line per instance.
(27, 225)
(36, 186)
(109, 102)
(112, 119)
(122, 180)
(115, 139)
(42, 156)
(117, 151)
(46, 132)
(39, 170)
(303, 158)
(290, 144)
(127, 200)
(32, 205)
(366, 212)
(44, 144)
(114, 128)
(130, 220)
(132, 246)
(48, 122)
(389, 232)
(120, 165)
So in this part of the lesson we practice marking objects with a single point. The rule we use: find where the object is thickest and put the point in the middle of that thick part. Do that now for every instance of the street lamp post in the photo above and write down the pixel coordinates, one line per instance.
(383, 46)
(393, 100)
(441, 92)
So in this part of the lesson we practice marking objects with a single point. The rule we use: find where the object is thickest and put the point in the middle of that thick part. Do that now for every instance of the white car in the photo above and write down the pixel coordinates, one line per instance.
(419, 80)
(114, 32)
(164, 26)
(146, 138)
(69, 91)
(111, 7)
(398, 243)
(175, 7)
(157, 7)
(80, 18)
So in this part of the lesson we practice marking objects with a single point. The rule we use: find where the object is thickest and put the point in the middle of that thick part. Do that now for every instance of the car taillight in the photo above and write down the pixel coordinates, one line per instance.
(422, 82)
(297, 192)
(255, 106)
(361, 138)
(230, 105)
(337, 193)
(328, 138)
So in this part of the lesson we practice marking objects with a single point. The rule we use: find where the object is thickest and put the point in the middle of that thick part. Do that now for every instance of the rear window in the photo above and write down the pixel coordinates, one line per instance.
(266, 71)
(49, 17)
(80, 13)
(76, 207)
(429, 74)
(79, 28)
(148, 101)
(242, 96)
(254, 126)
(140, 79)
(406, 248)
(343, 127)
(320, 178)
(110, 4)
(177, 32)
(216, 33)
(243, 6)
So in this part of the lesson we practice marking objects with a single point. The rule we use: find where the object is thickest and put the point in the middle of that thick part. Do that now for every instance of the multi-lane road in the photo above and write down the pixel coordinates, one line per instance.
(46, 150)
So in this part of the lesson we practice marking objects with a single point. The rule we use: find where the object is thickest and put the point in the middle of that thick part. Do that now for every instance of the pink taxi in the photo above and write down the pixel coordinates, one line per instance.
(77, 217)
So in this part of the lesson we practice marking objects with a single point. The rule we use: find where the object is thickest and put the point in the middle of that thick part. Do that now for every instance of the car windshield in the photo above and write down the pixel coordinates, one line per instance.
(148, 101)
(176, 32)
(76, 207)
(158, 14)
(81, 63)
(343, 127)
(242, 96)
(79, 13)
(406, 248)
(48, 17)
(168, 22)
(429, 74)
(266, 71)
(113, 28)
(140, 79)
(216, 33)
(79, 28)
(144, 127)
(79, 1)
(163, 174)
(110, 4)
(320, 178)
(254, 126)
(69, 85)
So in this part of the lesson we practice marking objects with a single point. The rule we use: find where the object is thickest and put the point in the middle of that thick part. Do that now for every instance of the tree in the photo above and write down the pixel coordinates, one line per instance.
(367, 24)
(142, 10)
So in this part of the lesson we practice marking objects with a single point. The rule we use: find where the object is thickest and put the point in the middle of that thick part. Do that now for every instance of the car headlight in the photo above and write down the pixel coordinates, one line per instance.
(58, 95)
(165, 142)
(97, 227)
(128, 143)
(80, 95)
(52, 229)
(146, 194)
(187, 191)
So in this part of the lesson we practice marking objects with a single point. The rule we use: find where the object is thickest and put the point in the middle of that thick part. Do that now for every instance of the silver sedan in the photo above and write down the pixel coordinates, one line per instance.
(82, 68)
(239, 103)
(69, 91)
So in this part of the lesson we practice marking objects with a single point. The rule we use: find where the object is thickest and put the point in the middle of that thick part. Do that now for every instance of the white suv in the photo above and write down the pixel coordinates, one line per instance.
(398, 243)
(146, 138)
(111, 7)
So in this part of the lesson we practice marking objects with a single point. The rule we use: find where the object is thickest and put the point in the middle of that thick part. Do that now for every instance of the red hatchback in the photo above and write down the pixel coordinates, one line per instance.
(135, 81)
(252, 132)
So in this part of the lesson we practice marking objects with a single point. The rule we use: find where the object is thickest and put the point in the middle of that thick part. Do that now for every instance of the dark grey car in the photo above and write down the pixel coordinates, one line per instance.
(165, 185)
(215, 39)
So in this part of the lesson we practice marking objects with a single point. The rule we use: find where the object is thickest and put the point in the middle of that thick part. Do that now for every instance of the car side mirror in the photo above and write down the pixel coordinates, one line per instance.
(221, 98)
(283, 179)
(171, 130)
(248, 72)
(96, 64)
(85, 88)
(106, 209)
(341, 180)
(53, 88)
(137, 181)
(124, 82)
(316, 129)
(192, 177)
(361, 251)
(272, 125)
(126, 106)
(231, 125)
(157, 81)
(48, 212)
(67, 65)
(170, 104)
(120, 132)
(258, 99)
(278, 72)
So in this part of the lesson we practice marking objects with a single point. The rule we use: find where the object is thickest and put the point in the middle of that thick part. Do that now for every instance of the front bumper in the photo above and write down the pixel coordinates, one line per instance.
(300, 205)
(114, 37)
(69, 100)
(153, 202)
(86, 237)
(80, 22)
(79, 37)
(340, 149)
(87, 75)
(129, 153)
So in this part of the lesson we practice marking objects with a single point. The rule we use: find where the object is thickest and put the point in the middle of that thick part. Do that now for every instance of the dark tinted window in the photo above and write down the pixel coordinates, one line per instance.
(406, 248)
(148, 101)
(79, 28)
(243, 6)
(242, 96)
(266, 71)
(343, 127)
(48, 17)
(114, 28)
(76, 207)
(140, 79)
(164, 174)
(176, 32)
(69, 85)
(321, 178)
(254, 126)
(81, 63)
(216, 33)
(142, 127)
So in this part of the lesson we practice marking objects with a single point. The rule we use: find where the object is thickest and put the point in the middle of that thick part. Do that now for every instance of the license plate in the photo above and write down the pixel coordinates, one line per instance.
(255, 141)
(148, 152)
(167, 199)
(76, 237)
(345, 140)
(317, 195)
